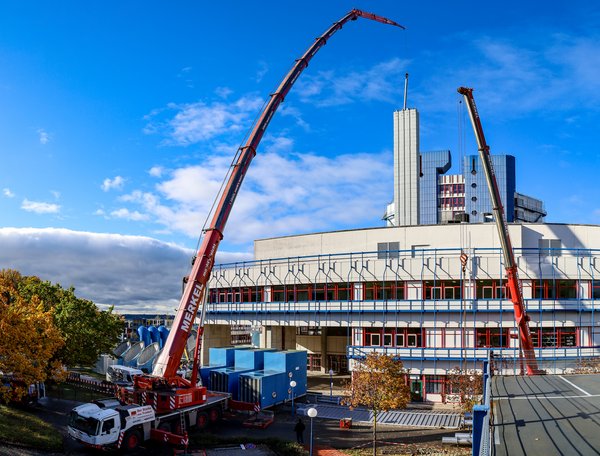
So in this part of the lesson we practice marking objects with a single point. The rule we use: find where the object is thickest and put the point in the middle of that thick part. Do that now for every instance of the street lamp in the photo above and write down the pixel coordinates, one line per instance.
(311, 412)
(293, 385)
(330, 383)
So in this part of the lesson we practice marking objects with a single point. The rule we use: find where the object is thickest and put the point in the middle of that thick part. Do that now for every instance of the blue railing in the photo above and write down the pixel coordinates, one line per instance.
(482, 432)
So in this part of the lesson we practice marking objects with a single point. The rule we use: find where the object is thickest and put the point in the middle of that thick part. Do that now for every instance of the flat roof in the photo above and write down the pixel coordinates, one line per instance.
(546, 415)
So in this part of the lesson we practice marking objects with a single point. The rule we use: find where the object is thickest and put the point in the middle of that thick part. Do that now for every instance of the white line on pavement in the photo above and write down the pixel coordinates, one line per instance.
(574, 385)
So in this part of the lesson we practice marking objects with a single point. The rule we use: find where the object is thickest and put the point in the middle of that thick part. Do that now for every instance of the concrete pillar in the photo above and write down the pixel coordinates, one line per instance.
(278, 337)
(324, 353)
(289, 337)
(214, 336)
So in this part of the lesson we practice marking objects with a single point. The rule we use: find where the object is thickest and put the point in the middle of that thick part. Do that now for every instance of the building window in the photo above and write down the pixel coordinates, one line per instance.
(554, 337)
(595, 285)
(492, 337)
(241, 294)
(308, 330)
(492, 289)
(554, 289)
(388, 250)
(549, 247)
(443, 289)
(373, 339)
(313, 362)
(383, 291)
(398, 337)
(434, 384)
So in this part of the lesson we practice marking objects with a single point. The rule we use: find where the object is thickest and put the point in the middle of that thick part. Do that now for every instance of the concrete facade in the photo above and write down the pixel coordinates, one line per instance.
(340, 295)
(406, 167)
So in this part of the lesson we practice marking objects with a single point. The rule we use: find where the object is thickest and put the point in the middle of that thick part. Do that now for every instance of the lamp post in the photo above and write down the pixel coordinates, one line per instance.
(293, 385)
(311, 412)
(330, 383)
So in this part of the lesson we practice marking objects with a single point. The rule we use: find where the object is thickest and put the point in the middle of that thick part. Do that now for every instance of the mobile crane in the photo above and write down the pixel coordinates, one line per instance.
(510, 265)
(158, 402)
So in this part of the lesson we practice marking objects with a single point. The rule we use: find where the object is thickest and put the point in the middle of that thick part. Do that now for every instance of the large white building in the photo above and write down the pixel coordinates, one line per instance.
(403, 291)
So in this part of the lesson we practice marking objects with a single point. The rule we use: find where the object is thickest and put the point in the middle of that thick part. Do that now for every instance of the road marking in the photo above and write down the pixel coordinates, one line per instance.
(574, 385)
(529, 398)
(496, 428)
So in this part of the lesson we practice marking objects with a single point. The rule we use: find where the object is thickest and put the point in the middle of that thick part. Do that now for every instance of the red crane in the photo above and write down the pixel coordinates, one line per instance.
(165, 371)
(510, 264)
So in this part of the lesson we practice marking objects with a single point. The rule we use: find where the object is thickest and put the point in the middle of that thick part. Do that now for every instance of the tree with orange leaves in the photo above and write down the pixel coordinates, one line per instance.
(29, 339)
(379, 384)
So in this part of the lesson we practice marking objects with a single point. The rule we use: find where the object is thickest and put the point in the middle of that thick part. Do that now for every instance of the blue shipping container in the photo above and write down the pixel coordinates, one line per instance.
(266, 388)
(253, 359)
(293, 363)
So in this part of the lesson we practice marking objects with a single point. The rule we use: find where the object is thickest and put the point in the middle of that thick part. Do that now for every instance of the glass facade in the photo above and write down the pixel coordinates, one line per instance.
(478, 203)
(433, 164)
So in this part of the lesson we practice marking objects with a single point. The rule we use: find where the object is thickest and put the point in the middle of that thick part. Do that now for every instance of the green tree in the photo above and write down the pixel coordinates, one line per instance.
(87, 331)
(378, 383)
(29, 339)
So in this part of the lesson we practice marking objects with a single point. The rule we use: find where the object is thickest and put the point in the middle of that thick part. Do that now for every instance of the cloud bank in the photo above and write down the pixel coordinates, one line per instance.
(135, 274)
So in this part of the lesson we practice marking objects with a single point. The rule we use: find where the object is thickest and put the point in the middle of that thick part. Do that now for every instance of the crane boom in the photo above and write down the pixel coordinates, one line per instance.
(193, 295)
(516, 295)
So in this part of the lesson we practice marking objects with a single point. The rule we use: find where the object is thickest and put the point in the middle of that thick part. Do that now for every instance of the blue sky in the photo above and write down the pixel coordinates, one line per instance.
(118, 121)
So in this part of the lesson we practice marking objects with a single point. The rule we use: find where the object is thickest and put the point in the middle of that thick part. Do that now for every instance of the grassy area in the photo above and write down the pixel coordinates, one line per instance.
(20, 427)
(72, 392)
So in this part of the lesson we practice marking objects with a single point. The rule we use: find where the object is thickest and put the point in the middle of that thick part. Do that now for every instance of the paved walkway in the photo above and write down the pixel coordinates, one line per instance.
(407, 418)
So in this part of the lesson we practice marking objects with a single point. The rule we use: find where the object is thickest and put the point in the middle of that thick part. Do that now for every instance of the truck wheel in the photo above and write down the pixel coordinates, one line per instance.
(214, 415)
(132, 440)
(202, 420)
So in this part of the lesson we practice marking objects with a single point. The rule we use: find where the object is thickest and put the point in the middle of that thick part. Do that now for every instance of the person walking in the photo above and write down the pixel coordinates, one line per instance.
(299, 429)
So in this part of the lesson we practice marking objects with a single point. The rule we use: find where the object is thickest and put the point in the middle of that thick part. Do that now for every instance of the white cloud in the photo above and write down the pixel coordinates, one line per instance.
(110, 184)
(223, 92)
(263, 69)
(44, 136)
(199, 121)
(328, 88)
(284, 193)
(135, 274)
(156, 171)
(8, 193)
(39, 207)
(543, 73)
(126, 214)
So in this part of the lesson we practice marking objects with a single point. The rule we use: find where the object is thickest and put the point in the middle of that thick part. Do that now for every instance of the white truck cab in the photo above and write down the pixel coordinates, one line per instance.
(122, 426)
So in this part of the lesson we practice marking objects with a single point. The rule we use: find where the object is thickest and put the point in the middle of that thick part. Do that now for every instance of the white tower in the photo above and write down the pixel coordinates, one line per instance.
(406, 167)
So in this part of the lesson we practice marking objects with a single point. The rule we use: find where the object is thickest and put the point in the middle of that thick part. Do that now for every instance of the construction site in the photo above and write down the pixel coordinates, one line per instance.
(466, 281)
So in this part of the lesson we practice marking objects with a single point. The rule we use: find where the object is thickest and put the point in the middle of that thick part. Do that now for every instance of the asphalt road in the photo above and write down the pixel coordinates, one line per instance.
(547, 415)
(325, 433)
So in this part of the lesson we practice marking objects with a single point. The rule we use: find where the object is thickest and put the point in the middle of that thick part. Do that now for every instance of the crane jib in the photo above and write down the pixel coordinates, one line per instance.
(193, 298)
(191, 308)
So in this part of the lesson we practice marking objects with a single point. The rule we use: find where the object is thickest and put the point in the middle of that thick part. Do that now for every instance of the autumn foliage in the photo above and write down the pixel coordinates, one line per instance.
(45, 328)
(379, 384)
(29, 339)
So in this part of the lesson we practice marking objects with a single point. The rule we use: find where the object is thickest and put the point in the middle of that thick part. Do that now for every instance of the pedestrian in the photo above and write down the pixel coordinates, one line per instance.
(299, 428)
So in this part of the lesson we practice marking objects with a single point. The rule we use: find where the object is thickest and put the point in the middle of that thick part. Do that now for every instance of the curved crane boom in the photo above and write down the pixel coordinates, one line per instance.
(170, 357)
(510, 264)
